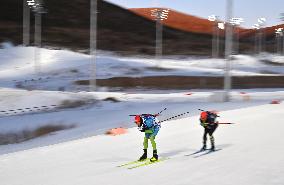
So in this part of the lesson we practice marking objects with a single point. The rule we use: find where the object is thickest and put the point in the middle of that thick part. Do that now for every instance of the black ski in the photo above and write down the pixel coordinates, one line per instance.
(208, 152)
(197, 152)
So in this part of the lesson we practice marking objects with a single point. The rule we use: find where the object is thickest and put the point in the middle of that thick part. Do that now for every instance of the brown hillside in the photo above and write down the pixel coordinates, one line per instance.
(183, 21)
(180, 21)
(195, 24)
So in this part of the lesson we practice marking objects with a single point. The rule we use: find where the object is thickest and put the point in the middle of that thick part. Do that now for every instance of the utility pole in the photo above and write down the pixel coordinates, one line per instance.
(256, 38)
(261, 22)
(282, 42)
(37, 41)
(159, 15)
(236, 22)
(228, 50)
(159, 37)
(26, 23)
(279, 34)
(221, 26)
(38, 9)
(282, 19)
(93, 43)
(215, 36)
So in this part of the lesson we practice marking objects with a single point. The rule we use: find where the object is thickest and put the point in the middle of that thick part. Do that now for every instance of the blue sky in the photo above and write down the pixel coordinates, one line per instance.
(250, 10)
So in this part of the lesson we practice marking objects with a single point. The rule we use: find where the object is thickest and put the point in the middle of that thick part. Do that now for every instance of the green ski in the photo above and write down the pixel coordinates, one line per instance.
(147, 163)
(133, 162)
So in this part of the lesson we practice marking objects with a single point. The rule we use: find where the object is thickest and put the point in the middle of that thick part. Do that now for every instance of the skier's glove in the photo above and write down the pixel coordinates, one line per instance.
(141, 129)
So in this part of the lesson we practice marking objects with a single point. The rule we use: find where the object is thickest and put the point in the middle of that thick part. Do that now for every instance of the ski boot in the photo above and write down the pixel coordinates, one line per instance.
(144, 156)
(203, 148)
(155, 156)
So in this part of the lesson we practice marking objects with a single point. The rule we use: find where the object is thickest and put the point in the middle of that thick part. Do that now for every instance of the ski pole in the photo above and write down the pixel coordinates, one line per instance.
(226, 123)
(174, 117)
(162, 111)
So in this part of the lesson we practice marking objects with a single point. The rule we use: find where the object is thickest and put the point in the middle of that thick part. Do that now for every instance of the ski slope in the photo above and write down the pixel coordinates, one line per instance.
(252, 153)
(99, 115)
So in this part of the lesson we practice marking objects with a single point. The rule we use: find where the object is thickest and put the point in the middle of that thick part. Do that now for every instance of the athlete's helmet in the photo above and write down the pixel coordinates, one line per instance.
(137, 120)
(203, 116)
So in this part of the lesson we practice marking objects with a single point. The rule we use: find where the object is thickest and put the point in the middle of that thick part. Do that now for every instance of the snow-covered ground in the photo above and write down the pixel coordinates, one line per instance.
(252, 149)
(60, 68)
(100, 115)
(252, 153)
